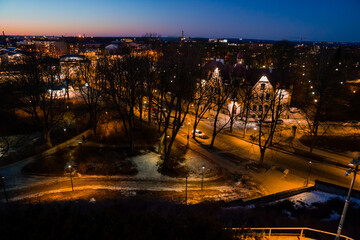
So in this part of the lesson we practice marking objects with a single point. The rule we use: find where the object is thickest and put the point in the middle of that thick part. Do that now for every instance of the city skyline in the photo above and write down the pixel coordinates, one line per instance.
(309, 21)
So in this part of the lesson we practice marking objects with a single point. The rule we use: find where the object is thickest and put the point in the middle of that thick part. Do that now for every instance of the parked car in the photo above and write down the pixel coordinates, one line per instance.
(199, 134)
(350, 123)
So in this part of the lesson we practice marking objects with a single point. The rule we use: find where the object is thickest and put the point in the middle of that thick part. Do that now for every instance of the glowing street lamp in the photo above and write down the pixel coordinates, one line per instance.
(202, 177)
(355, 162)
(70, 170)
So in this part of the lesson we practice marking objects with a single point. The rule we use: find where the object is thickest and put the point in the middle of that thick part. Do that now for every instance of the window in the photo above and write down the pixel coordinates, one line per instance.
(260, 108)
(268, 96)
(263, 86)
(266, 107)
(254, 108)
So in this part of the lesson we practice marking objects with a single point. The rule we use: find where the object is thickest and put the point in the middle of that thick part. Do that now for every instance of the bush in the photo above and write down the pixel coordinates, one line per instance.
(87, 160)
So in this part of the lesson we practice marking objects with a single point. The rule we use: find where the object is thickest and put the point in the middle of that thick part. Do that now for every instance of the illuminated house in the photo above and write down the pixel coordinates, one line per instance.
(268, 87)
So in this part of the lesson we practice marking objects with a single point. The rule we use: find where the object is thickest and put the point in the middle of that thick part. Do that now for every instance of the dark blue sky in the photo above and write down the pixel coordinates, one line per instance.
(318, 20)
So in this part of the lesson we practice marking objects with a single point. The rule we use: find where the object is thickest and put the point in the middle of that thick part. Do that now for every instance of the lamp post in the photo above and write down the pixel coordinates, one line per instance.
(188, 136)
(186, 190)
(202, 176)
(355, 162)
(308, 176)
(70, 170)
(65, 137)
(3, 184)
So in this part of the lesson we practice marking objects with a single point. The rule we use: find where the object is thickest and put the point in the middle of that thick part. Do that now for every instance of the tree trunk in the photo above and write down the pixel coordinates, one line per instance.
(232, 117)
(246, 121)
(312, 144)
(149, 109)
(194, 130)
(141, 111)
(262, 156)
(212, 141)
(231, 124)
(214, 130)
(47, 138)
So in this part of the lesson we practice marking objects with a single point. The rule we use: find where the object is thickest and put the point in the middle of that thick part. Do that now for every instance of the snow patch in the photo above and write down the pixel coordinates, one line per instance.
(333, 216)
(308, 198)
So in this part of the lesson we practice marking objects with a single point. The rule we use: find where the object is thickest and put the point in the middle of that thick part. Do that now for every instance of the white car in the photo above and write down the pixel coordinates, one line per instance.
(199, 134)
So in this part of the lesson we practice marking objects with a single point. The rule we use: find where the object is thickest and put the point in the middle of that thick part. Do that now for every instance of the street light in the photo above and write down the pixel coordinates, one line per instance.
(202, 176)
(72, 187)
(353, 162)
(308, 177)
(186, 184)
(3, 184)
(188, 135)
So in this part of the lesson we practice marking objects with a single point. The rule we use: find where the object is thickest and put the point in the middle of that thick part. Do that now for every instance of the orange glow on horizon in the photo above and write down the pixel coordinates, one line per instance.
(35, 28)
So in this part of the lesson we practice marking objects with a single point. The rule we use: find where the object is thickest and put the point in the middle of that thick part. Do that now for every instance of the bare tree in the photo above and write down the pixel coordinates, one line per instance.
(90, 85)
(202, 102)
(127, 80)
(38, 84)
(178, 73)
(246, 95)
(222, 92)
(269, 111)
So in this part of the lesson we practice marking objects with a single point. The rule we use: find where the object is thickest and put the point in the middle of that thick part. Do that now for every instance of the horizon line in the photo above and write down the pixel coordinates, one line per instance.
(160, 36)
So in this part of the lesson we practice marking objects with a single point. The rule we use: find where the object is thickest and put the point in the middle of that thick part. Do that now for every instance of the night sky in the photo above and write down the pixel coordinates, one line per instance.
(317, 20)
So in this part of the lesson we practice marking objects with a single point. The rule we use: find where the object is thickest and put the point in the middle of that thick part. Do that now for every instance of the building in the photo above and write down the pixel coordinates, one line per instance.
(268, 87)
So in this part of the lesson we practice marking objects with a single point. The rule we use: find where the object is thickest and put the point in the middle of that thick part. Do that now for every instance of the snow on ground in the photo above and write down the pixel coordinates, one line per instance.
(147, 166)
(316, 196)
(333, 216)
(194, 163)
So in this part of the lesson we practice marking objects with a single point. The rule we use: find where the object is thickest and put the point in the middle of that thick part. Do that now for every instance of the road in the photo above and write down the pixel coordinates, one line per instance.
(297, 165)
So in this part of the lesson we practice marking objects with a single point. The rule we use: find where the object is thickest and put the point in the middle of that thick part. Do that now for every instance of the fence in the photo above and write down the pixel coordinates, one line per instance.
(300, 232)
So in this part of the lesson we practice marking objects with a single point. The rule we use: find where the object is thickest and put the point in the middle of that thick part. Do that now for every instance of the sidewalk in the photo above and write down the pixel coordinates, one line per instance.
(334, 157)
(320, 155)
